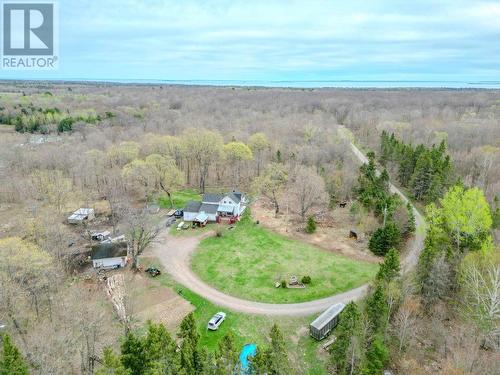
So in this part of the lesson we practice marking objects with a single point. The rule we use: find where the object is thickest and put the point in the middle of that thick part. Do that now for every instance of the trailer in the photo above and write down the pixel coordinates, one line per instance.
(328, 320)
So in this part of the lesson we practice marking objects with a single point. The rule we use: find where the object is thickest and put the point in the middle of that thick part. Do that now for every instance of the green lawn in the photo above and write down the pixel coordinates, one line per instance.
(247, 261)
(180, 198)
(252, 328)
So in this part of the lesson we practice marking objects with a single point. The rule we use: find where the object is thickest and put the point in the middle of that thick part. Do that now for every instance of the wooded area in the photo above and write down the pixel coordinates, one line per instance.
(118, 148)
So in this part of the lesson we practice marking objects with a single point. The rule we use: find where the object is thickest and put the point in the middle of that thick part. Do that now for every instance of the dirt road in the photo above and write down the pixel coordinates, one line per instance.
(174, 252)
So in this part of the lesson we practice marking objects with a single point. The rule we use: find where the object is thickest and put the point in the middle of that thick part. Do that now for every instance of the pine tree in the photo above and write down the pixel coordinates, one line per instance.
(11, 360)
(226, 356)
(342, 350)
(112, 365)
(411, 224)
(311, 225)
(384, 239)
(377, 356)
(390, 268)
(278, 355)
(376, 308)
(191, 356)
(160, 349)
(422, 176)
(133, 355)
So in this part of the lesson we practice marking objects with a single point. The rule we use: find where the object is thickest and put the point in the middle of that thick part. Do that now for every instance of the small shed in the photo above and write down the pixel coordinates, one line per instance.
(81, 215)
(328, 320)
(109, 255)
(201, 220)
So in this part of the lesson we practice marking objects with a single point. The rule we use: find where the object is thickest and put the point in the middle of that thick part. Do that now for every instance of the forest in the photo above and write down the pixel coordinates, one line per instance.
(121, 149)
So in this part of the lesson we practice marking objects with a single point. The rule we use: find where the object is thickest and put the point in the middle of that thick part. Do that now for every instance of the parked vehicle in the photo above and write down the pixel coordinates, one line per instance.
(216, 321)
(170, 221)
(178, 214)
(153, 271)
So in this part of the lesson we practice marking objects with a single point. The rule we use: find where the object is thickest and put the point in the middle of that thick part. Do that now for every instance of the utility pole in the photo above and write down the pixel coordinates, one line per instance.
(385, 214)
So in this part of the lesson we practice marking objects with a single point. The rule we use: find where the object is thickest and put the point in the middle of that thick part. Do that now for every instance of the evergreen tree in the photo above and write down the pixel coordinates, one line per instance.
(376, 308)
(422, 176)
(377, 356)
(311, 225)
(343, 349)
(390, 268)
(133, 355)
(272, 360)
(411, 224)
(191, 356)
(384, 239)
(112, 365)
(160, 350)
(11, 360)
(227, 358)
(278, 356)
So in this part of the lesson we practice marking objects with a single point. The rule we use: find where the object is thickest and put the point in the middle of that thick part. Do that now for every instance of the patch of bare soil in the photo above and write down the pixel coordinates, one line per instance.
(150, 300)
(332, 232)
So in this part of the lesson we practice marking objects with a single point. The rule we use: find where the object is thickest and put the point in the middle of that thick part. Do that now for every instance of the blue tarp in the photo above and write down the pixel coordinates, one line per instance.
(249, 350)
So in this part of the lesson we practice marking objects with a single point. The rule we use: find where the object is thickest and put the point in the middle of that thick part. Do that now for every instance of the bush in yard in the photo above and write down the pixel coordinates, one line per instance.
(311, 225)
(384, 239)
(306, 279)
(283, 283)
(219, 232)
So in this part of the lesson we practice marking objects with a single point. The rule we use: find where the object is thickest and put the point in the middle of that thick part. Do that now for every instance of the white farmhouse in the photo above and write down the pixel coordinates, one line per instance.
(216, 207)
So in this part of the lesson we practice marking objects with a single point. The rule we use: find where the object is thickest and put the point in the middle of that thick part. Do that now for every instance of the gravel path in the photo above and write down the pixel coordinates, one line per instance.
(174, 252)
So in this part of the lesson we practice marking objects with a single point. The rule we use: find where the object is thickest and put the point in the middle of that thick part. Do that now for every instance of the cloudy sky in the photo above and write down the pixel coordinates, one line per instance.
(277, 40)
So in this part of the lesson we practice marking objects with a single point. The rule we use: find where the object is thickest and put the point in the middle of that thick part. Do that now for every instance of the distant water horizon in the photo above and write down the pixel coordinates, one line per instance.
(299, 84)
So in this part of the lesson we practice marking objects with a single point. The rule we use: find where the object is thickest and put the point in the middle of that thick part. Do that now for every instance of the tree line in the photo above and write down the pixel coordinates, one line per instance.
(426, 171)
(156, 352)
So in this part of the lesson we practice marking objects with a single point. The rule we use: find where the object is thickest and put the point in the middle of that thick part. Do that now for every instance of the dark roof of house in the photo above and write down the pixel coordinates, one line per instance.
(235, 196)
(216, 198)
(109, 250)
(212, 198)
(192, 206)
(209, 208)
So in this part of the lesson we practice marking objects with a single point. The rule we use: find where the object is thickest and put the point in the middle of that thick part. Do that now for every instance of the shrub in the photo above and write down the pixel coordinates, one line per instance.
(283, 283)
(306, 280)
(219, 232)
(65, 124)
(311, 225)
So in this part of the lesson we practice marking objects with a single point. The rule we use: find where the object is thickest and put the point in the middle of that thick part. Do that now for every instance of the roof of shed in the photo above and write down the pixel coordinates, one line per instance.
(201, 218)
(109, 250)
(327, 315)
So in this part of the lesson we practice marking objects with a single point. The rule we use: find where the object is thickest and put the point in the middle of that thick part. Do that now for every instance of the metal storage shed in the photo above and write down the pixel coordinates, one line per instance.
(81, 215)
(323, 324)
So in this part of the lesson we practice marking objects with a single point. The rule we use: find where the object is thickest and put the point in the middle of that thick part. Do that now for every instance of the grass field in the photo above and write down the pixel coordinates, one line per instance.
(179, 198)
(303, 350)
(247, 261)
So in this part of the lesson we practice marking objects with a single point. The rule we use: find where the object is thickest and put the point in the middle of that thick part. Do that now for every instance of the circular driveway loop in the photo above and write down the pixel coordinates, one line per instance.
(174, 253)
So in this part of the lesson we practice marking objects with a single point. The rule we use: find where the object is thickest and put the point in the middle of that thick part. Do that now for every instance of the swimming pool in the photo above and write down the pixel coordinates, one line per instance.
(249, 350)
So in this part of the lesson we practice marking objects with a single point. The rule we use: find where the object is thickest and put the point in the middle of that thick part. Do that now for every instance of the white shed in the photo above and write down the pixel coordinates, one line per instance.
(81, 215)
(109, 255)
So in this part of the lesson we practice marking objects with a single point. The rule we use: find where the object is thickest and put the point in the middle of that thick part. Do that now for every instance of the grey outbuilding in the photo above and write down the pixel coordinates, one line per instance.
(328, 320)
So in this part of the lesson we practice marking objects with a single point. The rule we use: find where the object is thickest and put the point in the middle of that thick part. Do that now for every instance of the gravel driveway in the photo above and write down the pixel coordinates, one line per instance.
(174, 253)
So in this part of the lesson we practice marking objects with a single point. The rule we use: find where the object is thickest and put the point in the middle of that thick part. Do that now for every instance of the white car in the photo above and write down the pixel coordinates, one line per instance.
(216, 321)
